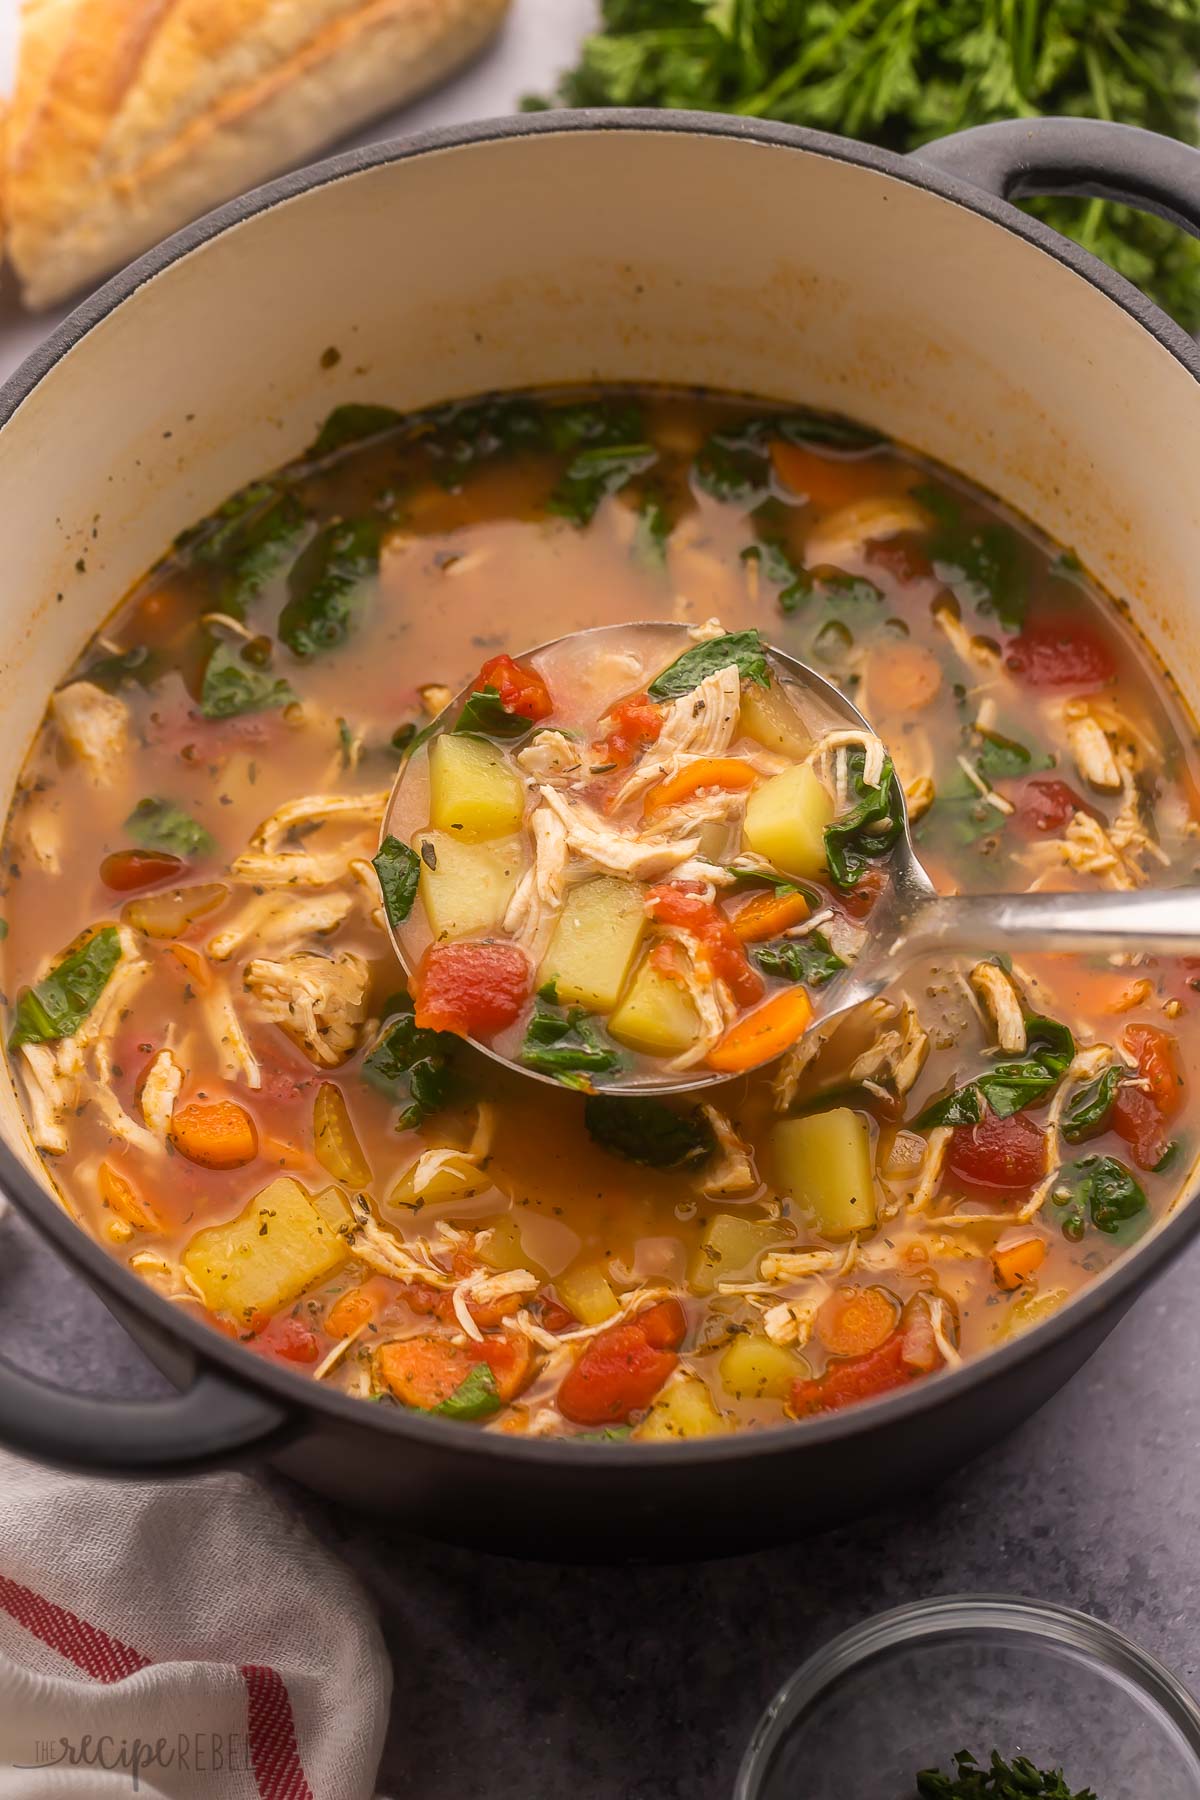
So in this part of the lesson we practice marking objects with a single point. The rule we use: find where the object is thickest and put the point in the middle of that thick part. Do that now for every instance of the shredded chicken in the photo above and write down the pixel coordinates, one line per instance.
(311, 810)
(435, 697)
(732, 1171)
(1000, 998)
(49, 1096)
(235, 1059)
(271, 920)
(701, 723)
(550, 756)
(616, 852)
(318, 1001)
(714, 1004)
(365, 874)
(932, 1167)
(897, 1056)
(1086, 848)
(999, 801)
(539, 894)
(1090, 747)
(94, 726)
(971, 650)
(849, 739)
(791, 1321)
(919, 795)
(160, 1091)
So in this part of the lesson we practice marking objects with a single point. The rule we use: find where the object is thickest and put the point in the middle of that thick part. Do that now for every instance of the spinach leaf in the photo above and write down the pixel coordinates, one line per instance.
(649, 1131)
(232, 686)
(329, 584)
(793, 585)
(463, 435)
(1089, 1111)
(829, 430)
(1108, 1190)
(744, 649)
(961, 815)
(353, 424)
(733, 470)
(159, 824)
(246, 541)
(567, 1044)
(1003, 759)
(57, 1006)
(593, 474)
(649, 547)
(485, 712)
(411, 1063)
(983, 565)
(808, 959)
(868, 830)
(475, 1397)
(399, 870)
(1009, 1087)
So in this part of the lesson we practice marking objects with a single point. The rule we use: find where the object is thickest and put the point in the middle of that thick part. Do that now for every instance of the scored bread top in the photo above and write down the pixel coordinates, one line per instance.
(131, 117)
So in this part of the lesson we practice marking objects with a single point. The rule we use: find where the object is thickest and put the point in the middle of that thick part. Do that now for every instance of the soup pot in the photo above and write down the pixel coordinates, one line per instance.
(569, 247)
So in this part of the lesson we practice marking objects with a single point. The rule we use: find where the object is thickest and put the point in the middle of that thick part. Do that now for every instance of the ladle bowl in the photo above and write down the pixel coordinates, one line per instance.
(909, 920)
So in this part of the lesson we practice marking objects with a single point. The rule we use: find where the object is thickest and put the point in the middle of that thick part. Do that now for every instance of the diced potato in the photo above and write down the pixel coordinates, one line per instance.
(823, 1163)
(277, 1246)
(595, 941)
(501, 1247)
(1030, 1310)
(786, 819)
(769, 717)
(656, 1014)
(684, 1409)
(465, 888)
(730, 1249)
(753, 1368)
(473, 790)
(169, 913)
(455, 1179)
(585, 1289)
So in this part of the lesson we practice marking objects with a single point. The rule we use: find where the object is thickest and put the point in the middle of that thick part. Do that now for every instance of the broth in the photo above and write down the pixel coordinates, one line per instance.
(230, 1095)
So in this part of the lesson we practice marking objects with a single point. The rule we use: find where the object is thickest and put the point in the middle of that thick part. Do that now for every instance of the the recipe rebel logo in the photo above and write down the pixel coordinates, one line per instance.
(204, 1754)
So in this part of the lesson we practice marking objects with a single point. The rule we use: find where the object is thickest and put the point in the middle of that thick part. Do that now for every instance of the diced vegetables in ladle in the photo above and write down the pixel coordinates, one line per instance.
(655, 857)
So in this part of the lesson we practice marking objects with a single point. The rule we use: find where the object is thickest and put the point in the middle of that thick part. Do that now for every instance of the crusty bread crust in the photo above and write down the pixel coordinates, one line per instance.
(132, 116)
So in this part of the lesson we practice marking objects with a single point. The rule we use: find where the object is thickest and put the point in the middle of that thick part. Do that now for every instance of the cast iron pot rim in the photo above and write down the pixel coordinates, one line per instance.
(83, 1252)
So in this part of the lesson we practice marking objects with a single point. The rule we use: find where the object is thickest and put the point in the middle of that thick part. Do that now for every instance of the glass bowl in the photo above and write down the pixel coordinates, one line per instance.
(906, 1689)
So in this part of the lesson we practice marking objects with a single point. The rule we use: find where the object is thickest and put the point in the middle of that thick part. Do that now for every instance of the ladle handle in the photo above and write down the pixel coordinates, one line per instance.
(1165, 921)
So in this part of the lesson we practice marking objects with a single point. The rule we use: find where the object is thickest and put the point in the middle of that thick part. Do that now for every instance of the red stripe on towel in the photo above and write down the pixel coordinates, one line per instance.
(102, 1657)
(272, 1734)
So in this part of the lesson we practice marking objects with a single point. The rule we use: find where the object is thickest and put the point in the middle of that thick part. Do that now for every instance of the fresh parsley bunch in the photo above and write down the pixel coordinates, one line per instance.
(900, 72)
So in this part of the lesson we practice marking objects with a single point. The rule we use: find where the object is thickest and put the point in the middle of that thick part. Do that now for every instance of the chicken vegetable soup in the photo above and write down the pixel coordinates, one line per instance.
(234, 1091)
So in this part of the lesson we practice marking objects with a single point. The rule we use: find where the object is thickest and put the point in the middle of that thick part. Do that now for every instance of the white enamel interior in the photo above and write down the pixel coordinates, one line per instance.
(601, 254)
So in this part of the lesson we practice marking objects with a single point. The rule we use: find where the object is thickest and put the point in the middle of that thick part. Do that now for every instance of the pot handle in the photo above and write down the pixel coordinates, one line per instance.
(213, 1421)
(1016, 159)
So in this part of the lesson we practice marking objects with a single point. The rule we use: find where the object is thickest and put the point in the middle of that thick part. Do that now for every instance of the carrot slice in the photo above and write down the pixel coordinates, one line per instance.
(763, 1034)
(856, 1320)
(349, 1312)
(1015, 1263)
(903, 677)
(827, 481)
(707, 772)
(767, 915)
(194, 964)
(216, 1134)
(120, 1197)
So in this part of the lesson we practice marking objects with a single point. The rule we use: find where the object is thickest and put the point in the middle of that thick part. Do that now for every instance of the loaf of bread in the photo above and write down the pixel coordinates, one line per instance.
(130, 117)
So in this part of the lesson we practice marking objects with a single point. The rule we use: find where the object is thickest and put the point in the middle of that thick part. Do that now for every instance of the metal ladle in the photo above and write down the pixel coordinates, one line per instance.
(910, 919)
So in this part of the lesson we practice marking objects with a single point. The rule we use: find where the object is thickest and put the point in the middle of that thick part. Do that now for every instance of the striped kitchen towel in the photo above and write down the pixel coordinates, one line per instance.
(179, 1641)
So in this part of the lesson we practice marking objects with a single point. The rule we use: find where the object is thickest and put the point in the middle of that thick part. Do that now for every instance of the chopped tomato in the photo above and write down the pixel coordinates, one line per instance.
(521, 691)
(473, 989)
(553, 1315)
(1044, 805)
(999, 1153)
(509, 1355)
(861, 898)
(1157, 1056)
(622, 1368)
(126, 870)
(676, 903)
(633, 723)
(1137, 1120)
(289, 1338)
(1061, 653)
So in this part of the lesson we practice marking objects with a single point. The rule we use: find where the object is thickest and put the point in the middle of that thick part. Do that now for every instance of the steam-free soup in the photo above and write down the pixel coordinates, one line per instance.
(233, 1093)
